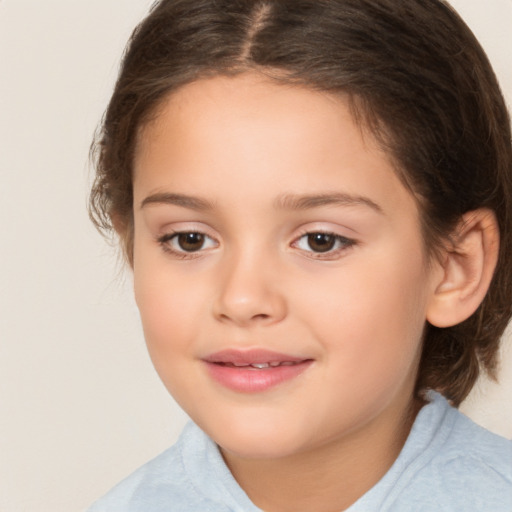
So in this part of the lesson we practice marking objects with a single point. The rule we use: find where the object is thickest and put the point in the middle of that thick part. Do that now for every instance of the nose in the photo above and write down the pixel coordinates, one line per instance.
(249, 292)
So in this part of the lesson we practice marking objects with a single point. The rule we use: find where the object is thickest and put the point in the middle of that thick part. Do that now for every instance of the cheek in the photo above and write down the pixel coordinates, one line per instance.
(371, 319)
(169, 310)
(169, 320)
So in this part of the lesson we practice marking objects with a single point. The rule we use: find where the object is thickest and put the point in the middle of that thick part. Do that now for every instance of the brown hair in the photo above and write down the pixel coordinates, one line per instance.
(416, 76)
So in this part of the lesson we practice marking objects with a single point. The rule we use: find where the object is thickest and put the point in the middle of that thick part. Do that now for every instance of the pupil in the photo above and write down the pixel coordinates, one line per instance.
(321, 242)
(190, 242)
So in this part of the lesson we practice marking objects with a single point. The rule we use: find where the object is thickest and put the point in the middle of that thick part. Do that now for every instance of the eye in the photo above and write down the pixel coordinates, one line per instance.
(186, 242)
(321, 242)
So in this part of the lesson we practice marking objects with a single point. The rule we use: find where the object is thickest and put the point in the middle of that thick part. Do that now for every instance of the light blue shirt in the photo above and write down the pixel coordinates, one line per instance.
(448, 464)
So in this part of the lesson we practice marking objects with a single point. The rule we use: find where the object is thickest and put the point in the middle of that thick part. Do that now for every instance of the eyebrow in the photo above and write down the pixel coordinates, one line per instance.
(183, 200)
(306, 202)
(286, 202)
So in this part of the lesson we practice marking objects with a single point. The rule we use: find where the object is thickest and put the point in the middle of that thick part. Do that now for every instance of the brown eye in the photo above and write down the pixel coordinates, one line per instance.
(187, 244)
(321, 242)
(190, 242)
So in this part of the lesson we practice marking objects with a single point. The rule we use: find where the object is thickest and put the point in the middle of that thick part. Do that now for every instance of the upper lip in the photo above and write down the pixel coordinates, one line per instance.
(252, 356)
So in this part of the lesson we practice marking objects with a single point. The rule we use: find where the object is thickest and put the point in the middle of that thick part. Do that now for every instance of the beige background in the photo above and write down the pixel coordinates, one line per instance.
(80, 406)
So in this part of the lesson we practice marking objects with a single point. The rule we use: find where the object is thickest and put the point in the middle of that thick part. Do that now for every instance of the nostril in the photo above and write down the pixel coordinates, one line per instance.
(261, 316)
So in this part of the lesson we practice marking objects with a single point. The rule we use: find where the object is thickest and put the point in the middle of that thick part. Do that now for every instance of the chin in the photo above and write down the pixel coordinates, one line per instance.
(248, 447)
(257, 438)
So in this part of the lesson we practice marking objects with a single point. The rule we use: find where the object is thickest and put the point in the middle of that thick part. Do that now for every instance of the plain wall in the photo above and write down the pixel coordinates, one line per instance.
(81, 406)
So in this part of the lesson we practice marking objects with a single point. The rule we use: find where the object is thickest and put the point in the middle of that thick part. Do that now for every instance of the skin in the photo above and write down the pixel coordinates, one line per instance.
(245, 149)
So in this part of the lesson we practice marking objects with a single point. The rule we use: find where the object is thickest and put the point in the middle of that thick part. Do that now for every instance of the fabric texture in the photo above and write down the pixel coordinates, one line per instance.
(448, 464)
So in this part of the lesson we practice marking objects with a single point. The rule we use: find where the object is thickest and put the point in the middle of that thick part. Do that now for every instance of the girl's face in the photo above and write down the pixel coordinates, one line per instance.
(279, 267)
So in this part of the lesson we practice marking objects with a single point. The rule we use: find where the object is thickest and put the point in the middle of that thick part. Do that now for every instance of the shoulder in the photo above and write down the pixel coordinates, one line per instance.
(190, 476)
(158, 483)
(476, 464)
(465, 466)
(472, 446)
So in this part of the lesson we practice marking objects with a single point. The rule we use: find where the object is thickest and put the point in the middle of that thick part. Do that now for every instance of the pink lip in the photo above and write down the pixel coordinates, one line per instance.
(247, 379)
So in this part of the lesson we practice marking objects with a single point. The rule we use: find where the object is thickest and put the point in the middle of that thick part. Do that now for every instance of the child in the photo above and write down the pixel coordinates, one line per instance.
(315, 198)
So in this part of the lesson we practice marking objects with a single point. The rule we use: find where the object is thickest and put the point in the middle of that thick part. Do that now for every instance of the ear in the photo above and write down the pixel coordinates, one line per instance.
(468, 264)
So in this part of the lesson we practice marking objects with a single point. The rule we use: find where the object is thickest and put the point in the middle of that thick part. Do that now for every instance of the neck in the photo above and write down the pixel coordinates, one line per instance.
(330, 477)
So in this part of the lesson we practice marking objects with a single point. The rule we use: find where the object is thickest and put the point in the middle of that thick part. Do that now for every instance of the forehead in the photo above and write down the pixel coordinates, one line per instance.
(258, 135)
(242, 105)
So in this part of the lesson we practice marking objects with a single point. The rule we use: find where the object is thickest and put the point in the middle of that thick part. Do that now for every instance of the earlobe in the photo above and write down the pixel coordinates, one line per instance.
(468, 265)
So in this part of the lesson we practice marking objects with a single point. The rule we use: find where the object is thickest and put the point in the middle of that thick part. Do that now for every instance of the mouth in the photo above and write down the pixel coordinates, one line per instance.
(254, 371)
(260, 366)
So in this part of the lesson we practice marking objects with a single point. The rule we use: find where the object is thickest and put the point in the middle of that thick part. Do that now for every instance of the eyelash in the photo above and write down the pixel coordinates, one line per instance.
(166, 240)
(342, 242)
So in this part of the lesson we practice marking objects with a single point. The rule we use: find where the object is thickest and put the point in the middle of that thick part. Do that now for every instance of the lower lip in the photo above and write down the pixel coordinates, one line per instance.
(253, 380)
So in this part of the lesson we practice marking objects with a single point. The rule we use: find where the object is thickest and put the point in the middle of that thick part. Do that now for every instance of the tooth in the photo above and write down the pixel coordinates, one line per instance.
(274, 364)
(260, 365)
(240, 364)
